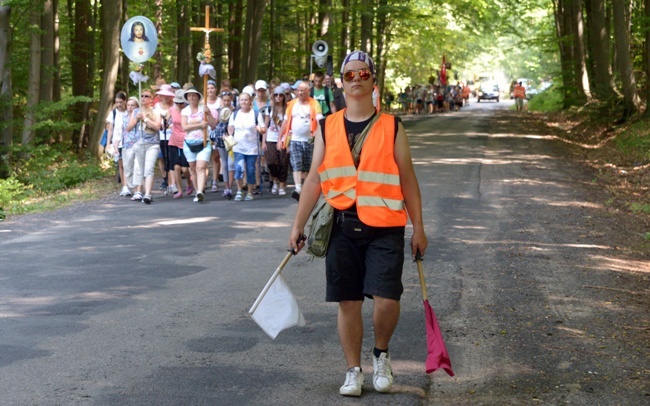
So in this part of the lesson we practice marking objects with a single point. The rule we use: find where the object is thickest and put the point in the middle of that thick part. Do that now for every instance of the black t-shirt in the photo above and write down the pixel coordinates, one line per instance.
(354, 129)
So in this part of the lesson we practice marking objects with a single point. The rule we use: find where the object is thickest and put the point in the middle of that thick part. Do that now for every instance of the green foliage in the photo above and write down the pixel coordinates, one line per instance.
(549, 100)
(640, 208)
(635, 143)
(52, 168)
(11, 191)
(54, 116)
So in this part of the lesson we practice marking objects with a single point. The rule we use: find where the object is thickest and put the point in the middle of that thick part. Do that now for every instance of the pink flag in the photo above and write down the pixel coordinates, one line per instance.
(438, 356)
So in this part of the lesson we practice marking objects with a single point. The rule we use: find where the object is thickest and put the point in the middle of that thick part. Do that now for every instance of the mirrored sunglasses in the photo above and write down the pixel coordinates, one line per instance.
(364, 74)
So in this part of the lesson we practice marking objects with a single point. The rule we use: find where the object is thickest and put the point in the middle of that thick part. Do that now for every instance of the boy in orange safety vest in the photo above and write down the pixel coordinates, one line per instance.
(372, 199)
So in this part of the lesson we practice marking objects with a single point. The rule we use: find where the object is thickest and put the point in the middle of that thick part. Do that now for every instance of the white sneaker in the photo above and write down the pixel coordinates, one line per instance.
(125, 191)
(281, 192)
(382, 376)
(274, 189)
(353, 382)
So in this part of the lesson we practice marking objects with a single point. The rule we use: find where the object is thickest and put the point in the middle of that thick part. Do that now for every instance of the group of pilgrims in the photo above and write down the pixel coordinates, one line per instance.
(243, 136)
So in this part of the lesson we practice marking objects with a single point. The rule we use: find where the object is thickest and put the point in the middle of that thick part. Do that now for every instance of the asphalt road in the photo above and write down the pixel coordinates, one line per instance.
(117, 303)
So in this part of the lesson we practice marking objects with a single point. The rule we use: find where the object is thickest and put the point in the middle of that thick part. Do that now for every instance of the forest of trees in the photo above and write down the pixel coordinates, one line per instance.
(61, 63)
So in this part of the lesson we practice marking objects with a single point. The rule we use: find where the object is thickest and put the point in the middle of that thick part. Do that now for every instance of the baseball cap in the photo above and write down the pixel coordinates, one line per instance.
(249, 90)
(260, 84)
(295, 85)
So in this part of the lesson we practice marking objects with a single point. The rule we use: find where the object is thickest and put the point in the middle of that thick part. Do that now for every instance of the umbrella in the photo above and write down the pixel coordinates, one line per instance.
(437, 357)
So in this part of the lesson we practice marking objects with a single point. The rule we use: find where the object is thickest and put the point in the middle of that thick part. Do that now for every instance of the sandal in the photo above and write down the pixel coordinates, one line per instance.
(137, 197)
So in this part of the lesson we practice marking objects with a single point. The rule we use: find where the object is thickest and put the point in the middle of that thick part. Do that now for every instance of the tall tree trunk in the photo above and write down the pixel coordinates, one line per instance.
(6, 90)
(274, 40)
(219, 53)
(344, 35)
(34, 76)
(353, 25)
(571, 58)
(625, 68)
(111, 25)
(158, 56)
(324, 21)
(80, 55)
(235, 10)
(124, 61)
(381, 38)
(599, 47)
(184, 41)
(647, 55)
(47, 53)
(580, 56)
(56, 85)
(367, 17)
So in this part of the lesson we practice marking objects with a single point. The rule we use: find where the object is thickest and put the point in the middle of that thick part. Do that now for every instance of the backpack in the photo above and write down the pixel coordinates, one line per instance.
(327, 94)
(104, 139)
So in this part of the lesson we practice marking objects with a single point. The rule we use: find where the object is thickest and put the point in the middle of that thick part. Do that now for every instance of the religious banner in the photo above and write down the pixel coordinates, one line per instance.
(139, 39)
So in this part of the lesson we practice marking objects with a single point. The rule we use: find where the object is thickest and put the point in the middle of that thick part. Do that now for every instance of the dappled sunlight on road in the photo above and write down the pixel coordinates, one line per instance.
(22, 306)
(253, 225)
(528, 245)
(510, 160)
(582, 204)
(190, 220)
(247, 243)
(620, 265)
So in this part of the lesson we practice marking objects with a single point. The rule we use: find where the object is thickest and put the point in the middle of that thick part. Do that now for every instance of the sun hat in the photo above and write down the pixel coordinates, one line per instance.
(260, 84)
(249, 90)
(193, 90)
(180, 96)
(295, 85)
(175, 85)
(224, 114)
(166, 90)
(359, 56)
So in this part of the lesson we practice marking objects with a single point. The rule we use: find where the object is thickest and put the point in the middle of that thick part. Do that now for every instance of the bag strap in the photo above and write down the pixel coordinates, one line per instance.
(358, 144)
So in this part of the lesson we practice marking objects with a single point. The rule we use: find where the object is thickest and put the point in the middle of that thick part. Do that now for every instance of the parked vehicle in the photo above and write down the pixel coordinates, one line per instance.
(488, 91)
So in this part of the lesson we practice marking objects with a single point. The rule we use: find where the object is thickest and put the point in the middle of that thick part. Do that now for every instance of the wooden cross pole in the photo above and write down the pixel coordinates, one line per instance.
(208, 56)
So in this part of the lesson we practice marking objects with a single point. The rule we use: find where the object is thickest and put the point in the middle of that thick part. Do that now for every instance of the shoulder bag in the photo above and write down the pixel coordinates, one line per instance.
(322, 216)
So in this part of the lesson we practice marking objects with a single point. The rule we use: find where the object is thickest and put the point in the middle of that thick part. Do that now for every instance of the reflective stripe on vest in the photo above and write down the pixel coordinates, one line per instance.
(351, 194)
(337, 172)
(378, 177)
(380, 202)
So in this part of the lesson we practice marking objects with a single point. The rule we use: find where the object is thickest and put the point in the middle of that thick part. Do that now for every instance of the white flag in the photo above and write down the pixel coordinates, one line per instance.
(278, 310)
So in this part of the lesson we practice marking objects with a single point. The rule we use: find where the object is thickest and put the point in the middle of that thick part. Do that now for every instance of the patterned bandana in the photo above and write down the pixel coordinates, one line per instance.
(359, 56)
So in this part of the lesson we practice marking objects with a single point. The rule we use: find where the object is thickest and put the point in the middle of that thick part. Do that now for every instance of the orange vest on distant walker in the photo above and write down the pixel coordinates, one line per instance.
(313, 123)
(519, 92)
(374, 186)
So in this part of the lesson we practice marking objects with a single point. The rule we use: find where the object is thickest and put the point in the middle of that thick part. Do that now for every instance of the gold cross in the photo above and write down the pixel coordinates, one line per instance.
(208, 54)
(207, 29)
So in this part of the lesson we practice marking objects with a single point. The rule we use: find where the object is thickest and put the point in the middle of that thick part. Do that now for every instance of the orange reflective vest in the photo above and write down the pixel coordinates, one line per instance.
(313, 105)
(519, 92)
(374, 186)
